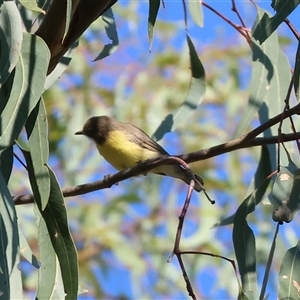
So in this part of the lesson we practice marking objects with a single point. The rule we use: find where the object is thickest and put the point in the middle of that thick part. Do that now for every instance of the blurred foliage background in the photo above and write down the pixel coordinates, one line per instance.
(125, 234)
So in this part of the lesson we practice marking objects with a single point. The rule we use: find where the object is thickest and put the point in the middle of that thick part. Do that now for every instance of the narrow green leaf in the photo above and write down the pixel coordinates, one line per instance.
(192, 100)
(195, 8)
(267, 25)
(37, 132)
(49, 271)
(25, 88)
(243, 237)
(55, 216)
(32, 5)
(289, 276)
(259, 186)
(26, 251)
(242, 295)
(269, 79)
(11, 35)
(153, 11)
(10, 276)
(111, 31)
(297, 72)
(6, 162)
(245, 249)
(286, 193)
(68, 17)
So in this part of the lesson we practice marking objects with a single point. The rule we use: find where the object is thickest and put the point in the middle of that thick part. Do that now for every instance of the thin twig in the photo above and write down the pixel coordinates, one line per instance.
(285, 109)
(269, 263)
(20, 161)
(186, 278)
(218, 256)
(239, 28)
(176, 250)
(234, 9)
(292, 28)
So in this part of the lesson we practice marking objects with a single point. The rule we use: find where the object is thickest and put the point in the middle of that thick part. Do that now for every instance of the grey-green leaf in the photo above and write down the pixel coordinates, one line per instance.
(32, 5)
(11, 35)
(192, 100)
(195, 8)
(6, 162)
(153, 11)
(267, 25)
(297, 72)
(269, 79)
(26, 251)
(48, 274)
(289, 276)
(24, 88)
(286, 193)
(260, 184)
(37, 132)
(10, 275)
(111, 31)
(55, 216)
(245, 251)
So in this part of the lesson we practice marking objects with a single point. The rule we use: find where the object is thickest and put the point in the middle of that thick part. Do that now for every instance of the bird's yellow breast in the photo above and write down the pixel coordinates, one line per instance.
(121, 153)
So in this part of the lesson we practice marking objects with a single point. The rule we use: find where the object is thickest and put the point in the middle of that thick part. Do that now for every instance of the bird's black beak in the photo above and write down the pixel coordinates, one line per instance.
(79, 132)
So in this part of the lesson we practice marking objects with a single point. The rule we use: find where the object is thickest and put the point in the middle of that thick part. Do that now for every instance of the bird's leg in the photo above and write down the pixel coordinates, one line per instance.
(107, 178)
(138, 162)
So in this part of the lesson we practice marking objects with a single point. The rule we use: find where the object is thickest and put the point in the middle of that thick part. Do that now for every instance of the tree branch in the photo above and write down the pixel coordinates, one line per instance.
(148, 165)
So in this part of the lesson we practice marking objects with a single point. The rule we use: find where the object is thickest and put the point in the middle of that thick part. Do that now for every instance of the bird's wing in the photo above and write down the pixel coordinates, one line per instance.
(141, 138)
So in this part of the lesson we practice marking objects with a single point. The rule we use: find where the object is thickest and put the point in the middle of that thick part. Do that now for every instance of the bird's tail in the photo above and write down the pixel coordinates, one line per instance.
(179, 172)
(199, 183)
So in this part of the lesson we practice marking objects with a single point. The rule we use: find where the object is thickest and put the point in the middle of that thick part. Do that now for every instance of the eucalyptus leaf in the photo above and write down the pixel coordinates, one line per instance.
(111, 31)
(286, 193)
(55, 216)
(10, 275)
(269, 79)
(11, 36)
(258, 186)
(195, 8)
(48, 273)
(6, 162)
(297, 72)
(26, 251)
(192, 100)
(245, 250)
(25, 88)
(289, 276)
(37, 132)
(153, 11)
(32, 5)
(267, 25)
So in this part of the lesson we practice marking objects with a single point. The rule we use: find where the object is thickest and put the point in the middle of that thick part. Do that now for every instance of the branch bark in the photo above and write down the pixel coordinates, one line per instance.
(53, 27)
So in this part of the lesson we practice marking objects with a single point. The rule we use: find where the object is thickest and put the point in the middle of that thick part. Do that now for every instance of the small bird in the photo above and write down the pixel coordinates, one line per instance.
(124, 145)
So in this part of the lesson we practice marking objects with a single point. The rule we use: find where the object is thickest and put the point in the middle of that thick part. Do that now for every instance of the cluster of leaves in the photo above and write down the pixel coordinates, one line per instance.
(131, 229)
